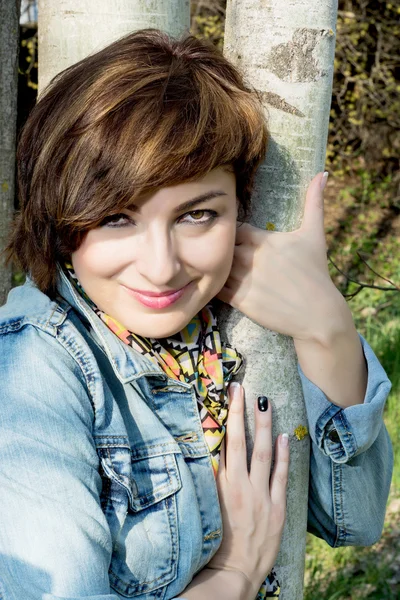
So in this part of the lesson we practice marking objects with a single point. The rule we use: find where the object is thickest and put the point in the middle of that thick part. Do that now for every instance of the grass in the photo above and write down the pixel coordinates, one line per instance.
(370, 573)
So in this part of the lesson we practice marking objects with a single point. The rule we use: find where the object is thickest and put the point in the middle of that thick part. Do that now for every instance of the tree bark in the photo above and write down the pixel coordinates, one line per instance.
(285, 51)
(69, 30)
(9, 46)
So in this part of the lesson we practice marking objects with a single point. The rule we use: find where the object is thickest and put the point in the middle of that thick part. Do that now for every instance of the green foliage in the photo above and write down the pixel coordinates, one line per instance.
(365, 111)
(353, 573)
(208, 20)
(28, 62)
(369, 223)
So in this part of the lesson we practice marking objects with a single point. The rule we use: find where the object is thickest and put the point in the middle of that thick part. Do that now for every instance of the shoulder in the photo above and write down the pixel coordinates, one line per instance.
(26, 304)
(42, 353)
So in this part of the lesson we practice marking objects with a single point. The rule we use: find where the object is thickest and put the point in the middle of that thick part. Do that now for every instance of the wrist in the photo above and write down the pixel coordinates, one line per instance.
(335, 322)
(220, 584)
(238, 584)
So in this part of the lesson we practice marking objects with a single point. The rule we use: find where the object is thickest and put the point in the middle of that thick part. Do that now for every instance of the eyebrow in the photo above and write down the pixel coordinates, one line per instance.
(193, 202)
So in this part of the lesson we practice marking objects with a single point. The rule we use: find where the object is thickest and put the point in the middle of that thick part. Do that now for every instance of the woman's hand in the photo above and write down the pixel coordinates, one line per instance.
(281, 280)
(253, 505)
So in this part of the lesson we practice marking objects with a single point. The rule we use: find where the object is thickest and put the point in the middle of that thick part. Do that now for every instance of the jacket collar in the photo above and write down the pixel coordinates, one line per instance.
(127, 363)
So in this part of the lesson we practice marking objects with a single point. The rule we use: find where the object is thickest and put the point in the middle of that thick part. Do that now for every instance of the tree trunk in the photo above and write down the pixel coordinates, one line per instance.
(286, 51)
(69, 30)
(9, 46)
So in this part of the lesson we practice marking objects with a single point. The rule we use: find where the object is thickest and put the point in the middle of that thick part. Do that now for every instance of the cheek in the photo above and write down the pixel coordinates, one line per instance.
(98, 257)
(213, 254)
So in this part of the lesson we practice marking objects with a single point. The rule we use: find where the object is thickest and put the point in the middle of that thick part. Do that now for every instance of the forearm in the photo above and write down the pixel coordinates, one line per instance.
(334, 361)
(219, 585)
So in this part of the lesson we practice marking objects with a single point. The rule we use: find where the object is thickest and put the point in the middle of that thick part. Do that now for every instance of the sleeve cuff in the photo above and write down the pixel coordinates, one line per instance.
(342, 433)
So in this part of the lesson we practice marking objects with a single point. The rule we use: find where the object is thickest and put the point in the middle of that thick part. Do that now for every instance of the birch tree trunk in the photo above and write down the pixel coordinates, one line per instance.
(285, 50)
(9, 46)
(69, 30)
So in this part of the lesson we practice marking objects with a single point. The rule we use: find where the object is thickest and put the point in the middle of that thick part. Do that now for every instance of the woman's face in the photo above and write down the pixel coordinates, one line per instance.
(154, 266)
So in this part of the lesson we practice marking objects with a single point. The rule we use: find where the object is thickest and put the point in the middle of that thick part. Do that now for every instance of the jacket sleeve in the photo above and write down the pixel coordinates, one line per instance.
(351, 461)
(55, 542)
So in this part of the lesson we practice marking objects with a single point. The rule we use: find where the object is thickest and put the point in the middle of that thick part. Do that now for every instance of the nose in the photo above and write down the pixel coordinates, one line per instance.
(157, 259)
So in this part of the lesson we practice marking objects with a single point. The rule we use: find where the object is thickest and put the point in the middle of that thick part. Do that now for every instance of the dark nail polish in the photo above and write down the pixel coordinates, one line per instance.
(262, 403)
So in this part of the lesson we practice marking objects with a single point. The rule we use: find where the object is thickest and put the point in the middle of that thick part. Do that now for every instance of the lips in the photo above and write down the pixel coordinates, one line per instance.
(155, 300)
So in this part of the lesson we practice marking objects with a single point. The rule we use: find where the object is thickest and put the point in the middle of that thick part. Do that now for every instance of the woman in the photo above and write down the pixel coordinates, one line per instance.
(134, 168)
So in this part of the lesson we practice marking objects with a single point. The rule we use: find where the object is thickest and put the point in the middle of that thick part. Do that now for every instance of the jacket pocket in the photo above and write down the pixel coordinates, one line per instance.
(145, 549)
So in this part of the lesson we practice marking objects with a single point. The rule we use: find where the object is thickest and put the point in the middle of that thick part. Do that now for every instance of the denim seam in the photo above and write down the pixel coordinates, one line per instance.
(341, 532)
(168, 472)
(117, 437)
(83, 366)
(112, 445)
(138, 456)
(349, 446)
(13, 326)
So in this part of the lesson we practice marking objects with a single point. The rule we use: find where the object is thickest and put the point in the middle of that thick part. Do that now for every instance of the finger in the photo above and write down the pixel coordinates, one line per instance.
(262, 452)
(227, 294)
(280, 472)
(248, 234)
(244, 255)
(313, 218)
(235, 455)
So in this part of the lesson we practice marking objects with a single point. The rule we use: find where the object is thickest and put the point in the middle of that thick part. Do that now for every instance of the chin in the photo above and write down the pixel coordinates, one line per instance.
(160, 331)
(158, 325)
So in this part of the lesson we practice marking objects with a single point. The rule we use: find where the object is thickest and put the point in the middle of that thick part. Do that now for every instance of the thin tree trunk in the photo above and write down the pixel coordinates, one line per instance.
(69, 30)
(285, 50)
(9, 46)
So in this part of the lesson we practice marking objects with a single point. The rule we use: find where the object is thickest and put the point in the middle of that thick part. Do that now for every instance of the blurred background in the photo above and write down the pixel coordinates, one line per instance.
(362, 204)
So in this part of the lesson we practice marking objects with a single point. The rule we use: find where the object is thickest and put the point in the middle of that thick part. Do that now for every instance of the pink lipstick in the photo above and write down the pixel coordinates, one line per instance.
(155, 299)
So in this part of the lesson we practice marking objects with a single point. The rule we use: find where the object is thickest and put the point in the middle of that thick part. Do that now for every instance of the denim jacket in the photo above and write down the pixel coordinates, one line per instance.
(106, 484)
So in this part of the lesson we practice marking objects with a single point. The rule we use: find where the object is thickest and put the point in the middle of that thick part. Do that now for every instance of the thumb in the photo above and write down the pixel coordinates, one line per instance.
(313, 218)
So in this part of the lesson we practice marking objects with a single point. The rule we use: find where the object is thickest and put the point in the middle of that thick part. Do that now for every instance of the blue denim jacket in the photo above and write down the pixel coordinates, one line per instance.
(106, 484)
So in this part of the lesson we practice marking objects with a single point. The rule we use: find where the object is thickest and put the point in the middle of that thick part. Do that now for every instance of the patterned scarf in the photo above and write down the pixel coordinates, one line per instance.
(197, 356)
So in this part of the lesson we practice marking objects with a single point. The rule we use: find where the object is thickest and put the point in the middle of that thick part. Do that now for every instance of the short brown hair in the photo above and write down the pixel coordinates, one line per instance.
(145, 112)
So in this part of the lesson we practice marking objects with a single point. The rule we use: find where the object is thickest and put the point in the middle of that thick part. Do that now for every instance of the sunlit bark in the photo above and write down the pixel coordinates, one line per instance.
(285, 49)
(69, 30)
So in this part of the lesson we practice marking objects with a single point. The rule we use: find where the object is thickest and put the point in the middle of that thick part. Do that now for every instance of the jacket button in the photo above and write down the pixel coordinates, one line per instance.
(334, 436)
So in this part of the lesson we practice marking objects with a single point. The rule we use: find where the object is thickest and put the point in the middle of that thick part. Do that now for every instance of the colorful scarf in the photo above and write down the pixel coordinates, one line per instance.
(197, 356)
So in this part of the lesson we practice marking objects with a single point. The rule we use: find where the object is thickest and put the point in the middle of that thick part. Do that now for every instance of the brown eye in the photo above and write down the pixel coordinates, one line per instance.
(199, 217)
(197, 214)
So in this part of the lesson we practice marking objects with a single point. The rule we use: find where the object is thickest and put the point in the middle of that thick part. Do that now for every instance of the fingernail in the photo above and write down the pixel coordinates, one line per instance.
(234, 388)
(284, 440)
(324, 179)
(262, 403)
